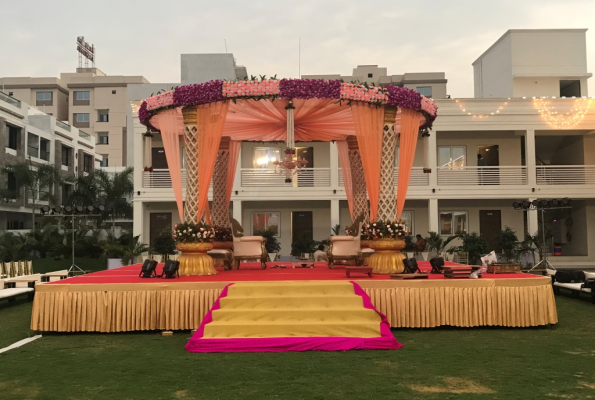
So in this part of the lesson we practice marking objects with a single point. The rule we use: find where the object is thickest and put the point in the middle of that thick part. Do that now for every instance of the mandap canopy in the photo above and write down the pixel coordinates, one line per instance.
(288, 109)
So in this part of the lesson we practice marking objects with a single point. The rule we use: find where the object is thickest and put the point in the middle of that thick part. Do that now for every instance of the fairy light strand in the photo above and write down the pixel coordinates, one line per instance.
(483, 115)
(561, 119)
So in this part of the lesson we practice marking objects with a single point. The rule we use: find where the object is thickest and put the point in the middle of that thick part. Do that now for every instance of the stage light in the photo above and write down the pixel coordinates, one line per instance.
(67, 209)
(57, 210)
(90, 209)
(556, 203)
(526, 204)
(516, 204)
(100, 208)
(535, 203)
(44, 209)
(565, 201)
(79, 209)
(544, 203)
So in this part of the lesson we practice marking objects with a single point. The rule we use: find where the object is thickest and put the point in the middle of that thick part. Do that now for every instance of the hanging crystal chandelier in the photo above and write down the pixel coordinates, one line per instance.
(290, 165)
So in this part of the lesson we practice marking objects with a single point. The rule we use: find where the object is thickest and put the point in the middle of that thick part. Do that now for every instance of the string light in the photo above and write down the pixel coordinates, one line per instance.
(486, 115)
(562, 120)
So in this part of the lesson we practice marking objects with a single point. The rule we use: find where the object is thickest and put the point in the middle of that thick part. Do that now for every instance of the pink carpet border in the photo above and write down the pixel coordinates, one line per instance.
(386, 341)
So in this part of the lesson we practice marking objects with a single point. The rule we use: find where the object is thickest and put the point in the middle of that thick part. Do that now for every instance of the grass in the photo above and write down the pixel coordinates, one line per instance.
(445, 363)
(43, 265)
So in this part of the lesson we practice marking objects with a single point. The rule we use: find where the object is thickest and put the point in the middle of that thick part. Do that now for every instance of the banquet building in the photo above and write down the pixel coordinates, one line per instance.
(527, 134)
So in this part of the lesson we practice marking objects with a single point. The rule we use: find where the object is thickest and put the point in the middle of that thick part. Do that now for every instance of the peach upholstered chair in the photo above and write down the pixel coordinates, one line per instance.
(347, 247)
(247, 248)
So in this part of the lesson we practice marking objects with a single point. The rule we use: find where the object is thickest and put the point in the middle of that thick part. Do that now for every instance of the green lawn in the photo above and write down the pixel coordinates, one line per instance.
(445, 363)
(43, 265)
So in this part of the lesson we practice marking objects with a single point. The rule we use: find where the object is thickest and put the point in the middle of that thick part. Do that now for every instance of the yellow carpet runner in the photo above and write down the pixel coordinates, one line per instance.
(292, 309)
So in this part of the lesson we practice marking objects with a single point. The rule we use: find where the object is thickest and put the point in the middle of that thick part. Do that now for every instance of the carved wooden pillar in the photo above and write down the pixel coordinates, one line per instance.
(358, 181)
(191, 145)
(220, 208)
(387, 201)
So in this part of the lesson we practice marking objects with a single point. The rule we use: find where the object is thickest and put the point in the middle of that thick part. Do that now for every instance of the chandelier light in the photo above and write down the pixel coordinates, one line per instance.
(290, 165)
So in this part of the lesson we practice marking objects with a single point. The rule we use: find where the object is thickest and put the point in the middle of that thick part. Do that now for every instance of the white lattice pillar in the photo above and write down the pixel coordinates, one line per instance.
(387, 201)
(191, 145)
(358, 181)
(220, 208)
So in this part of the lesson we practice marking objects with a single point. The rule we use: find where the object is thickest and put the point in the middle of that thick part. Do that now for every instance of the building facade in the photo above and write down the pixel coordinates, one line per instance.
(28, 134)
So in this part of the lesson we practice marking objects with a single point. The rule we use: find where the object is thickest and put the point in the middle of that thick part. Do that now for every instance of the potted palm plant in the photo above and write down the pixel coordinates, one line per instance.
(133, 250)
(272, 244)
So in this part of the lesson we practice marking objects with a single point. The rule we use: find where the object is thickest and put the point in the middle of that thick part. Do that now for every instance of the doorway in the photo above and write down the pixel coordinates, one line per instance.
(158, 158)
(488, 156)
(306, 178)
(490, 225)
(158, 222)
(301, 225)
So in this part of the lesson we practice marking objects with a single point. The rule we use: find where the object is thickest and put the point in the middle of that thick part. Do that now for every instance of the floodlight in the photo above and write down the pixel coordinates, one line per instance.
(79, 209)
(535, 203)
(90, 209)
(57, 210)
(516, 204)
(526, 204)
(45, 209)
(67, 209)
(544, 203)
(565, 201)
(100, 208)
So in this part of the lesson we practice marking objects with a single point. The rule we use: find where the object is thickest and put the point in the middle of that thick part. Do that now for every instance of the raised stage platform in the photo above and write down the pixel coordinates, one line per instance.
(118, 300)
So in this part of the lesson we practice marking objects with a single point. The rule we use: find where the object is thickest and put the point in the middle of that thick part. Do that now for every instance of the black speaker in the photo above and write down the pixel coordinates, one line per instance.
(148, 269)
(437, 264)
(170, 269)
(411, 266)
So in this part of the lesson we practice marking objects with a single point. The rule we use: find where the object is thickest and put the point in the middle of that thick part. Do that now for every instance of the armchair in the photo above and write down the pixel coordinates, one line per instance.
(247, 248)
(347, 247)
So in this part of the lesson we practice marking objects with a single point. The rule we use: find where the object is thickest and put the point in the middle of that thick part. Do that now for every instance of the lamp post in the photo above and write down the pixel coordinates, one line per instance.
(72, 212)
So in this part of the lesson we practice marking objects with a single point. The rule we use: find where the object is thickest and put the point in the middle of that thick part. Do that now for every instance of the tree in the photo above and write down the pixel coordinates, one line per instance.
(37, 180)
(114, 190)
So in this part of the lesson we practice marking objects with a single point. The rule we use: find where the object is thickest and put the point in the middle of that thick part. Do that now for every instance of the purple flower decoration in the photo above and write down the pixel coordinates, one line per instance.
(309, 89)
(201, 93)
(403, 97)
(143, 114)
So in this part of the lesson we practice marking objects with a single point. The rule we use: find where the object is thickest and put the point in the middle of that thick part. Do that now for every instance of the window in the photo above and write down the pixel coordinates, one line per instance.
(102, 138)
(83, 117)
(14, 224)
(10, 93)
(82, 96)
(66, 192)
(113, 92)
(370, 75)
(43, 98)
(451, 156)
(105, 161)
(11, 184)
(570, 88)
(87, 163)
(453, 222)
(424, 90)
(407, 218)
(32, 145)
(66, 155)
(44, 149)
(102, 115)
(265, 156)
(13, 137)
(261, 221)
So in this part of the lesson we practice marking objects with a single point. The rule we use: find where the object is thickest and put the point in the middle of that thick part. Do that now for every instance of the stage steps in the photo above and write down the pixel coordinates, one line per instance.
(292, 309)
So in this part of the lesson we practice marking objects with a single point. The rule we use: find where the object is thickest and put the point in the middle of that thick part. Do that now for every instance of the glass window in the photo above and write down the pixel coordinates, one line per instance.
(66, 154)
(424, 90)
(44, 96)
(102, 138)
(83, 117)
(451, 156)
(265, 156)
(262, 221)
(407, 218)
(44, 149)
(105, 161)
(32, 145)
(87, 163)
(13, 137)
(102, 115)
(11, 182)
(453, 222)
(81, 96)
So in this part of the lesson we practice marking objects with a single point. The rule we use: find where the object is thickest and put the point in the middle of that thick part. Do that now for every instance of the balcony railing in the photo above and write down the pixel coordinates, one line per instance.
(85, 135)
(309, 177)
(62, 125)
(160, 179)
(10, 100)
(472, 175)
(566, 174)
(417, 178)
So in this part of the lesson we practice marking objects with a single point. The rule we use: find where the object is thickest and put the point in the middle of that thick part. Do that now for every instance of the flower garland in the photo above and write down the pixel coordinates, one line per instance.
(193, 233)
(222, 234)
(383, 230)
(218, 90)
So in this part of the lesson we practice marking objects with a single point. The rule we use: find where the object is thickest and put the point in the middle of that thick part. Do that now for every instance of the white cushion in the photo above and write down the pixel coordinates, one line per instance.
(218, 251)
(342, 238)
(589, 275)
(572, 286)
(367, 250)
(5, 293)
(251, 239)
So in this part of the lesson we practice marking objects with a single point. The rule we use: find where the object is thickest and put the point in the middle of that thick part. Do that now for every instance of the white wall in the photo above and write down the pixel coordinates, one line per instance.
(495, 69)
(509, 145)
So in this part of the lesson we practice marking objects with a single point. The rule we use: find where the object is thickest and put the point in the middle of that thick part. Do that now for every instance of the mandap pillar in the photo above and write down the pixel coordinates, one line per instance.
(358, 181)
(191, 146)
(220, 207)
(387, 257)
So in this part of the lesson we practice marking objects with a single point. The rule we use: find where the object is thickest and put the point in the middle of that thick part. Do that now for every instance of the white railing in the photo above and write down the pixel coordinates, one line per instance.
(309, 177)
(160, 179)
(472, 175)
(565, 174)
(417, 178)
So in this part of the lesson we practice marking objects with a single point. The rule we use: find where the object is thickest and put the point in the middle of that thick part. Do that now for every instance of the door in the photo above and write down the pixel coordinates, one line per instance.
(301, 230)
(159, 161)
(158, 223)
(490, 225)
(306, 178)
(488, 156)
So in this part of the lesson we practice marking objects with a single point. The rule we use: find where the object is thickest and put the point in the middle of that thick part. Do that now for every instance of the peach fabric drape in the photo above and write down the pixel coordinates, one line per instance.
(210, 120)
(343, 151)
(171, 124)
(409, 130)
(368, 122)
(234, 153)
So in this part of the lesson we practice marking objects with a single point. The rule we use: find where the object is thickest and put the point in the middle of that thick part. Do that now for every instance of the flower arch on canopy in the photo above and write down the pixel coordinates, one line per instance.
(322, 111)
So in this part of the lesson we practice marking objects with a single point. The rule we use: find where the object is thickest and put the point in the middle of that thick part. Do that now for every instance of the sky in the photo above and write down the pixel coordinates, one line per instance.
(146, 38)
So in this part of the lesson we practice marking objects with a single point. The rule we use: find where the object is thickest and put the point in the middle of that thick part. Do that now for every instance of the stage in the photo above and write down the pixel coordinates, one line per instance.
(118, 300)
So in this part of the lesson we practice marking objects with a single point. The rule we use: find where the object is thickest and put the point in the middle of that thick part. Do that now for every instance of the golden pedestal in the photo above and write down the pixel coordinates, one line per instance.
(194, 260)
(387, 257)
